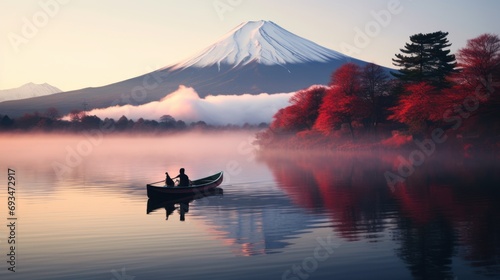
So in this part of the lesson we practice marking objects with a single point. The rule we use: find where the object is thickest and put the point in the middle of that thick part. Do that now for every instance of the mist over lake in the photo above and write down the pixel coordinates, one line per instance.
(243, 140)
(83, 212)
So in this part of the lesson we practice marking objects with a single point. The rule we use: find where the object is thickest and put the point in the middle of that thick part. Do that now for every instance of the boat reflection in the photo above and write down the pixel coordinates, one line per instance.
(179, 202)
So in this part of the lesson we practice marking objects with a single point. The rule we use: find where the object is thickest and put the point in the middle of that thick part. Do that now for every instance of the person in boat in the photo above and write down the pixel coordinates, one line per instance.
(168, 180)
(183, 178)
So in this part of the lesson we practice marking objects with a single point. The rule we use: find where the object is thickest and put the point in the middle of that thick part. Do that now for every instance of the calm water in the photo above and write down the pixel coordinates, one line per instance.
(82, 212)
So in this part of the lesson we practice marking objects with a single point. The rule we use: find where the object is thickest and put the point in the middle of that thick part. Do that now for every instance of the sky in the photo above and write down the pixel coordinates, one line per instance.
(73, 44)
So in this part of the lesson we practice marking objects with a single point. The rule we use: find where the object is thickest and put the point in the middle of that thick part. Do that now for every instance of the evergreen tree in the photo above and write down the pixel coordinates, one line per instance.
(426, 59)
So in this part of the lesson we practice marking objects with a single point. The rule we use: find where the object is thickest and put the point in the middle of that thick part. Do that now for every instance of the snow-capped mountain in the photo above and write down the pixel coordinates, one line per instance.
(255, 57)
(262, 42)
(27, 91)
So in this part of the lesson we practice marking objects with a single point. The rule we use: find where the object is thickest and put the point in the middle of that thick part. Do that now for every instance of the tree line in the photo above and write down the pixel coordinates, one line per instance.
(432, 88)
(51, 121)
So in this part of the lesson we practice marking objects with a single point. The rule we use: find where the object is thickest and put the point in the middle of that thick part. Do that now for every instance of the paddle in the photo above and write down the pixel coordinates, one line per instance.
(156, 182)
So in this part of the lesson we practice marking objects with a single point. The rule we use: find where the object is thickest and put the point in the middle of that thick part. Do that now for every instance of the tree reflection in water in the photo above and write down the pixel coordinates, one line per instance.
(447, 208)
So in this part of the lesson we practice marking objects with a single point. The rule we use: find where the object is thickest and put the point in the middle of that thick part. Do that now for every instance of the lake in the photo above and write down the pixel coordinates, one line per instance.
(81, 211)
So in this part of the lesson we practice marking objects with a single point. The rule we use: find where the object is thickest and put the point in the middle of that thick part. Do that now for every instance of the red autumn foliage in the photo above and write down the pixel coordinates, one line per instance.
(337, 109)
(361, 97)
(342, 103)
(422, 102)
(347, 78)
(479, 59)
(282, 120)
(418, 105)
(480, 76)
(303, 111)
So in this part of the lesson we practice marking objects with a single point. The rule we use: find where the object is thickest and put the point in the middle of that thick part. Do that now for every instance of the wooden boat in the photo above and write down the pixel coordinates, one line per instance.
(197, 187)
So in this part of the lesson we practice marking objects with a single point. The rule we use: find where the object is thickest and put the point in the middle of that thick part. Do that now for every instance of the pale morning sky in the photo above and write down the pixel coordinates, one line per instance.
(73, 44)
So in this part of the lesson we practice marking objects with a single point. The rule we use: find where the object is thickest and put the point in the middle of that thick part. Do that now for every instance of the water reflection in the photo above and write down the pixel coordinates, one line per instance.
(443, 221)
(253, 223)
(347, 188)
(447, 208)
(260, 222)
(183, 201)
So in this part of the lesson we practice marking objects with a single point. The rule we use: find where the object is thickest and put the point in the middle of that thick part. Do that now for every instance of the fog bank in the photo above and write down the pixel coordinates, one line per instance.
(185, 104)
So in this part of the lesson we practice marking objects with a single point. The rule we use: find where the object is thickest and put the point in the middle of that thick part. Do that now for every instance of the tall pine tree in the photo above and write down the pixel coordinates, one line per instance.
(426, 59)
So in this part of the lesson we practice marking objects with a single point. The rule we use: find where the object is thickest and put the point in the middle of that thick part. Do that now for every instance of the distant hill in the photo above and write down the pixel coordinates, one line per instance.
(255, 57)
(28, 90)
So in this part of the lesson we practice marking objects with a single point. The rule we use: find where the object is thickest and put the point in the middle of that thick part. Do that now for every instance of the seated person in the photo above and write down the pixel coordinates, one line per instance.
(168, 180)
(183, 178)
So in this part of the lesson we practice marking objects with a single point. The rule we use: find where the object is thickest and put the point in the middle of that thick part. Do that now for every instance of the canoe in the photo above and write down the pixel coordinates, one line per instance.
(196, 187)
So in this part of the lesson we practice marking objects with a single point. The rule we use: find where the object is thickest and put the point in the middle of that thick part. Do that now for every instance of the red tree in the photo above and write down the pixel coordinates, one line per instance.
(303, 111)
(342, 103)
(480, 59)
(282, 119)
(306, 104)
(421, 103)
(480, 78)
(347, 78)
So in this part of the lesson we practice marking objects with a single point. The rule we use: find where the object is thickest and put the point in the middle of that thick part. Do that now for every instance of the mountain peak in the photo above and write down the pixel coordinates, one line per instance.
(255, 24)
(263, 42)
(27, 90)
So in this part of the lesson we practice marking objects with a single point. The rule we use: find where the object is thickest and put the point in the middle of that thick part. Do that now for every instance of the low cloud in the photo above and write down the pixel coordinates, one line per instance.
(185, 104)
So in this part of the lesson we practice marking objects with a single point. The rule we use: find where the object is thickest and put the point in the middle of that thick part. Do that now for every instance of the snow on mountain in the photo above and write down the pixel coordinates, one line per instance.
(27, 91)
(255, 57)
(263, 42)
